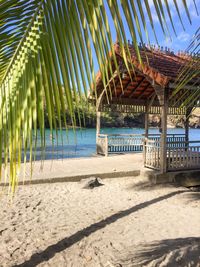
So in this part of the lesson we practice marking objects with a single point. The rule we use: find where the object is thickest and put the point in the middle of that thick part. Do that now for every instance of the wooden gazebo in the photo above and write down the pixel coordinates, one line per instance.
(149, 90)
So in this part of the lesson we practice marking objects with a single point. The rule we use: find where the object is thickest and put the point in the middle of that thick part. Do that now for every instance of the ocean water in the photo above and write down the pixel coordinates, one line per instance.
(82, 143)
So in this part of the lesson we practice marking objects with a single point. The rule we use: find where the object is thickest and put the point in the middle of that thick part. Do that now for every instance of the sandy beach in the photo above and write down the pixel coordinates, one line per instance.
(122, 223)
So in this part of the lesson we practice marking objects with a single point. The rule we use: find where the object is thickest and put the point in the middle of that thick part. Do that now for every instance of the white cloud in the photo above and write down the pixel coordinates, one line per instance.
(179, 43)
(184, 36)
(167, 43)
(190, 5)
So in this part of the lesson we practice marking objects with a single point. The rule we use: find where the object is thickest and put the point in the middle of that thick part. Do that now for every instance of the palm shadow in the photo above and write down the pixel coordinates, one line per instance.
(149, 185)
(67, 242)
(193, 196)
(168, 253)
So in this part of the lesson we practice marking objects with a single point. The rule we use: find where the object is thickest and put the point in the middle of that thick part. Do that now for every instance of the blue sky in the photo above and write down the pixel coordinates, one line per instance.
(183, 38)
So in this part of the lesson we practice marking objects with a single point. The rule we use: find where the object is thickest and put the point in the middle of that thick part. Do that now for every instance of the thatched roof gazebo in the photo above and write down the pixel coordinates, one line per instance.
(149, 90)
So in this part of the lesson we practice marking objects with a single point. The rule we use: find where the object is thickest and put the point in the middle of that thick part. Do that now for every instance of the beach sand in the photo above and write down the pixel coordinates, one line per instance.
(122, 223)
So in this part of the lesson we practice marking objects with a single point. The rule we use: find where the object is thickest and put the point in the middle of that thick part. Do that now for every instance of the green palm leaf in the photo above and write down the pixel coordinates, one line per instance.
(46, 61)
(190, 74)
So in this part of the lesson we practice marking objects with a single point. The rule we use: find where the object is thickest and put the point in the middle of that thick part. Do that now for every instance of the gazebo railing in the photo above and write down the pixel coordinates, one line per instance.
(184, 157)
(123, 143)
(102, 144)
(119, 143)
(152, 153)
(181, 155)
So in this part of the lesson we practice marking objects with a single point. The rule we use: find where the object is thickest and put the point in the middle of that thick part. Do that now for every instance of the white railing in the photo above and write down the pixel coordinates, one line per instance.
(152, 148)
(123, 143)
(119, 143)
(152, 153)
(183, 157)
(102, 144)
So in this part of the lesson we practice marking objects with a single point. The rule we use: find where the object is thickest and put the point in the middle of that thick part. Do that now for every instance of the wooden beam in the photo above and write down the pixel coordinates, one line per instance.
(150, 102)
(146, 133)
(160, 93)
(122, 93)
(163, 141)
(146, 123)
(108, 84)
(98, 123)
(132, 101)
(186, 129)
(138, 85)
(113, 85)
(187, 117)
(143, 91)
(147, 109)
(100, 98)
(152, 95)
(98, 129)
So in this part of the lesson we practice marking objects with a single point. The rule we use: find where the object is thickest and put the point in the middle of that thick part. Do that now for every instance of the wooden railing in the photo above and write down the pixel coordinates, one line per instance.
(181, 155)
(184, 157)
(152, 153)
(119, 143)
(102, 144)
(176, 140)
(152, 148)
(123, 143)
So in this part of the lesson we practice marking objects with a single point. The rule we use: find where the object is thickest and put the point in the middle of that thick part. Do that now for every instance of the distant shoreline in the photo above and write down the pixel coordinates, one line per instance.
(169, 126)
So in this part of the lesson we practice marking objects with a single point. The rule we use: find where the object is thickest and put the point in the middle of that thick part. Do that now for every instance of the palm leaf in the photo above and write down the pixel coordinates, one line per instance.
(190, 73)
(46, 61)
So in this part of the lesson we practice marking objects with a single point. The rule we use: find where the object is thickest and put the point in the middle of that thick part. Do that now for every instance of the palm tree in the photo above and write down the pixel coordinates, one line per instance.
(46, 46)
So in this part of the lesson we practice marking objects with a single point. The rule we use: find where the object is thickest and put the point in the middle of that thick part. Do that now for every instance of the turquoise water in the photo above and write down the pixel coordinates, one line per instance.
(83, 143)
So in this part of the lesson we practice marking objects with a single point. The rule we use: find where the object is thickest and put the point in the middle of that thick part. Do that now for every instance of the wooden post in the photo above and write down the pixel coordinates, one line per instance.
(98, 128)
(146, 126)
(98, 117)
(163, 137)
(187, 127)
(106, 145)
(98, 123)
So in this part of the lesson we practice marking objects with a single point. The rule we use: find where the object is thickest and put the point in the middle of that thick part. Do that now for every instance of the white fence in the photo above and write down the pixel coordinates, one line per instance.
(181, 155)
(123, 143)
(184, 157)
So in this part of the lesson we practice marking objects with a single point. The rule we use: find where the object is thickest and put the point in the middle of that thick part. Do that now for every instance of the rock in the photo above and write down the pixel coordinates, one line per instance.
(88, 258)
(94, 182)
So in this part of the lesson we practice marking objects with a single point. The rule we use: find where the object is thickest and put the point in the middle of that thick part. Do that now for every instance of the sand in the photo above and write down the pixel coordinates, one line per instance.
(122, 223)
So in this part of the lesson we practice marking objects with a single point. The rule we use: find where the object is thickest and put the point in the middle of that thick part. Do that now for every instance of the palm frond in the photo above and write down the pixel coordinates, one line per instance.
(46, 59)
(190, 74)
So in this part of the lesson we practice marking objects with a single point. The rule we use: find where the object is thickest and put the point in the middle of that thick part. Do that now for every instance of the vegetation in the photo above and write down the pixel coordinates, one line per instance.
(85, 116)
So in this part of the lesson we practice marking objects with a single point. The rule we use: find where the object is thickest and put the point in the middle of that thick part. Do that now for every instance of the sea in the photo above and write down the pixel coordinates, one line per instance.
(82, 142)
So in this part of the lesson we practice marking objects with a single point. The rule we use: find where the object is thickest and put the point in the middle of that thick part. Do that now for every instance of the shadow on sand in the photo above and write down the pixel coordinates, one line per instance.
(67, 242)
(180, 252)
(169, 253)
(193, 196)
(147, 185)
